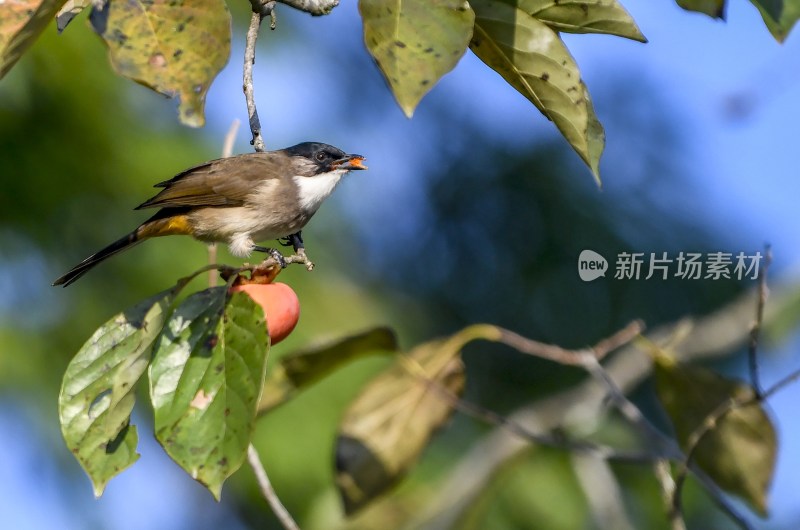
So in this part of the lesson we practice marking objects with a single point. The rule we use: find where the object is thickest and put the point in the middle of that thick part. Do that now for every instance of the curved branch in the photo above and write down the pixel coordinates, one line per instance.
(312, 7)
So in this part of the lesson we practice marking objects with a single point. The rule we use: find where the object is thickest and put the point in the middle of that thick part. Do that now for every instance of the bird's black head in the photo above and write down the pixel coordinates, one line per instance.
(326, 157)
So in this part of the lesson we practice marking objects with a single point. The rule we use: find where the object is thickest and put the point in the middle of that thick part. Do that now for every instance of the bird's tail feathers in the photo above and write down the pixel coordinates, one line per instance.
(86, 265)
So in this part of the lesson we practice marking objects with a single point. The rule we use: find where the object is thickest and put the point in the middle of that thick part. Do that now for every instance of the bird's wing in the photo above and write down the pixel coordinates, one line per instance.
(222, 182)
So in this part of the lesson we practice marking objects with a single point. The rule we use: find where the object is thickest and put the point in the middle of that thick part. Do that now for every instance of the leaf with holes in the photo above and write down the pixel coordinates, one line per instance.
(780, 16)
(712, 8)
(533, 59)
(389, 424)
(97, 394)
(300, 370)
(205, 381)
(739, 451)
(582, 16)
(21, 23)
(415, 42)
(174, 47)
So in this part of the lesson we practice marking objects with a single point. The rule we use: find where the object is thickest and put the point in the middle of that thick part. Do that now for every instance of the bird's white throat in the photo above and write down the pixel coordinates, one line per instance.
(311, 191)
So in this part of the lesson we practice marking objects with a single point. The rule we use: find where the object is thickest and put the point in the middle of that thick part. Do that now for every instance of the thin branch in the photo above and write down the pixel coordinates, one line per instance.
(312, 7)
(227, 151)
(571, 357)
(692, 443)
(781, 384)
(268, 491)
(661, 469)
(602, 492)
(752, 351)
(249, 61)
(546, 351)
(629, 410)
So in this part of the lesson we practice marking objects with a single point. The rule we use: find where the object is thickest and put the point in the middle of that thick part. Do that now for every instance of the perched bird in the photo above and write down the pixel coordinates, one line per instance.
(239, 200)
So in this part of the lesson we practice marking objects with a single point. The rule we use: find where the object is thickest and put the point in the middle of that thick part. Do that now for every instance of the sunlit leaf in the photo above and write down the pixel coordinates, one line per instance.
(174, 47)
(582, 16)
(70, 10)
(533, 59)
(415, 42)
(712, 8)
(97, 396)
(302, 369)
(779, 16)
(205, 380)
(21, 23)
(389, 424)
(739, 452)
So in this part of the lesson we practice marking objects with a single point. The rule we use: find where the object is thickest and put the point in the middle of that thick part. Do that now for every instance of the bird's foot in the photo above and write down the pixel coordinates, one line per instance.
(275, 253)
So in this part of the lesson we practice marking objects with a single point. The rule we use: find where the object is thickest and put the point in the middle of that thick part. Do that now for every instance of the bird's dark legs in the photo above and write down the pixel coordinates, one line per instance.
(293, 240)
(275, 253)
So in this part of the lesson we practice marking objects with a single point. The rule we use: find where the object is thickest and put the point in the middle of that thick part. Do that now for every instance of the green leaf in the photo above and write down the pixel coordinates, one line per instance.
(582, 16)
(205, 381)
(389, 424)
(97, 396)
(533, 59)
(415, 42)
(70, 10)
(176, 48)
(712, 8)
(300, 370)
(21, 23)
(779, 16)
(739, 451)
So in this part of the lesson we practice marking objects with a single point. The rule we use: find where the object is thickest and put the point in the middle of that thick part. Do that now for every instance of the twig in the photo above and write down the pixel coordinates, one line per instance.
(785, 381)
(571, 357)
(629, 409)
(661, 469)
(267, 490)
(546, 351)
(602, 492)
(227, 150)
(752, 351)
(312, 7)
(249, 61)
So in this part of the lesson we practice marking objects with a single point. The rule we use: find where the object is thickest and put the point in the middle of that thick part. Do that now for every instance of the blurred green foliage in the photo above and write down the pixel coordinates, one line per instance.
(500, 230)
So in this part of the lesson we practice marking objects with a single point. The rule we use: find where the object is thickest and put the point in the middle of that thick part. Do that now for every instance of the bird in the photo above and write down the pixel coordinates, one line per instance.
(239, 200)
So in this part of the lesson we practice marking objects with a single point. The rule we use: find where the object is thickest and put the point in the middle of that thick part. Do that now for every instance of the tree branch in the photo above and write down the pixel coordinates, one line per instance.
(312, 7)
(249, 60)
(711, 336)
(752, 351)
(267, 490)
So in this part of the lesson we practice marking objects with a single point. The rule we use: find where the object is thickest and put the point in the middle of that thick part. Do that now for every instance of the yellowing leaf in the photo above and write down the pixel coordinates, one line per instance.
(415, 42)
(779, 16)
(21, 23)
(582, 16)
(712, 8)
(97, 394)
(299, 370)
(739, 451)
(533, 59)
(175, 47)
(389, 424)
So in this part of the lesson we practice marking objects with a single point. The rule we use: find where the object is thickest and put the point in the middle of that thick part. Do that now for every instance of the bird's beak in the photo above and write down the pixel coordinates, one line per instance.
(350, 162)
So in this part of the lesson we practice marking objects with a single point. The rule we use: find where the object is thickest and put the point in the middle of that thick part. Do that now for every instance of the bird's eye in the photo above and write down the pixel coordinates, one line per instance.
(320, 156)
